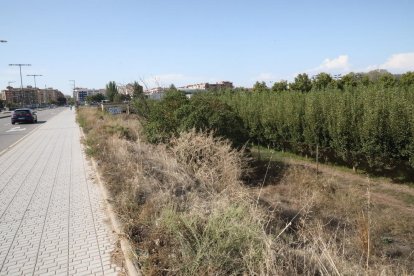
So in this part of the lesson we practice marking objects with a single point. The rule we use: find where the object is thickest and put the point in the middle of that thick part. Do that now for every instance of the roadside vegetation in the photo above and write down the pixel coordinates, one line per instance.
(195, 200)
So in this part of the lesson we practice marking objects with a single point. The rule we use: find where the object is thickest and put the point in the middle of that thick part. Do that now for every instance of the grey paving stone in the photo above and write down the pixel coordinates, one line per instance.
(52, 216)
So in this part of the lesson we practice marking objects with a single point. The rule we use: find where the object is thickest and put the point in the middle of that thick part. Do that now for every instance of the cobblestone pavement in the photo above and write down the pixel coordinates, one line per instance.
(52, 217)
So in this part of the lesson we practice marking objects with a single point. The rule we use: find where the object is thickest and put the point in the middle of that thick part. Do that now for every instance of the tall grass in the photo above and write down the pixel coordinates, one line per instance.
(187, 210)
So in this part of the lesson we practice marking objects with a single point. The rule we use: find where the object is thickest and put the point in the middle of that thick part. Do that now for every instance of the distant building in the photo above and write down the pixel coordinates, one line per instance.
(155, 93)
(30, 96)
(126, 89)
(48, 95)
(158, 92)
(207, 86)
(80, 94)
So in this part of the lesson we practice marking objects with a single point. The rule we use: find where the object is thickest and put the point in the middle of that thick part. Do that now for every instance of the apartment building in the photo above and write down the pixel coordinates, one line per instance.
(30, 96)
(80, 94)
(48, 95)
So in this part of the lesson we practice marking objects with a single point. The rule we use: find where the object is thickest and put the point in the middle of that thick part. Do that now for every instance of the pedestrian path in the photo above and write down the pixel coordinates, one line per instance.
(52, 217)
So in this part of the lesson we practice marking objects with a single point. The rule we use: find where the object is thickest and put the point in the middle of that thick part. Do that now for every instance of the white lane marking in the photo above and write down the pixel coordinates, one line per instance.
(16, 129)
(18, 141)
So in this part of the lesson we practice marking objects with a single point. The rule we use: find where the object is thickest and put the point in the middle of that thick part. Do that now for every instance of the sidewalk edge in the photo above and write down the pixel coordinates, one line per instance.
(116, 225)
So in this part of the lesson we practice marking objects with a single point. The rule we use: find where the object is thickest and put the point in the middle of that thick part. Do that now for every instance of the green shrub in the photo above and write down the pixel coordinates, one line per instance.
(162, 122)
(206, 112)
(175, 113)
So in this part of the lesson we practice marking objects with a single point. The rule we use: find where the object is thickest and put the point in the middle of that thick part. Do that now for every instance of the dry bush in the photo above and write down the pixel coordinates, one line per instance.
(211, 160)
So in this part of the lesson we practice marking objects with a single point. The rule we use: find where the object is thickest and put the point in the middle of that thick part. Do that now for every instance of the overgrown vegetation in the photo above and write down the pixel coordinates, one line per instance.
(189, 208)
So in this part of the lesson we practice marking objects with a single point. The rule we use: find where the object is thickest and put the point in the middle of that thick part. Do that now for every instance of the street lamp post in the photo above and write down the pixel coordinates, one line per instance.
(20, 66)
(3, 41)
(34, 78)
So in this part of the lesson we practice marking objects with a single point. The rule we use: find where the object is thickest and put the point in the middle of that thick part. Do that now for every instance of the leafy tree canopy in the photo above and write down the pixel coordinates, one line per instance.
(407, 79)
(321, 81)
(111, 90)
(280, 86)
(260, 87)
(302, 83)
(97, 98)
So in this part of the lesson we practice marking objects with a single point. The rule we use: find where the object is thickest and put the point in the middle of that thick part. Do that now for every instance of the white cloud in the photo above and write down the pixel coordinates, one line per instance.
(339, 64)
(165, 80)
(399, 62)
(265, 77)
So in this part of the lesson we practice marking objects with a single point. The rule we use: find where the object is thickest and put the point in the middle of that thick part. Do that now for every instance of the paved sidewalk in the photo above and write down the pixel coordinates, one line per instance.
(52, 217)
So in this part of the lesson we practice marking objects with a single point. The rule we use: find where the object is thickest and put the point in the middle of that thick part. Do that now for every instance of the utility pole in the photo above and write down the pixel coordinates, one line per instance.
(20, 66)
(34, 77)
(74, 86)
(21, 80)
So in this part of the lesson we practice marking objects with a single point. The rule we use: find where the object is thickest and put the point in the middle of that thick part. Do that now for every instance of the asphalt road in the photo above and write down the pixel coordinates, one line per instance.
(10, 134)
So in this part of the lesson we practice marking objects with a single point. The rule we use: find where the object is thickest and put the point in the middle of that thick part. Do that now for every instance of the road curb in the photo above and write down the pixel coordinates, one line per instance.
(116, 225)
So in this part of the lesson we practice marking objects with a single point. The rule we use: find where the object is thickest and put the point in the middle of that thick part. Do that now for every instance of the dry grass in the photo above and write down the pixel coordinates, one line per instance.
(187, 210)
(340, 227)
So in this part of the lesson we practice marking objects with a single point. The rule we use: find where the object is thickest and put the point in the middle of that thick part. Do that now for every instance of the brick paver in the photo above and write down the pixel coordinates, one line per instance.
(52, 217)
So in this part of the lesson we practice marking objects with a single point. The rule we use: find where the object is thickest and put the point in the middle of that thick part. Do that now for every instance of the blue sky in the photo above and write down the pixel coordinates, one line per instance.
(183, 42)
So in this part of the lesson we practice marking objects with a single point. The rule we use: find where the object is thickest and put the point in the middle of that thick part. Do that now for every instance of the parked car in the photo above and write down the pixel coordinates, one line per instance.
(24, 115)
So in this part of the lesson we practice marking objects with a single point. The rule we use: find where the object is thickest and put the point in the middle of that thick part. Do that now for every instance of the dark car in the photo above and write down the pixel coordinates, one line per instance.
(23, 115)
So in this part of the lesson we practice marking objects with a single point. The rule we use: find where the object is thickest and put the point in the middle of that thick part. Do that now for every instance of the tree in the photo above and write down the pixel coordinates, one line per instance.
(260, 87)
(71, 101)
(387, 80)
(137, 91)
(97, 98)
(407, 79)
(280, 86)
(321, 81)
(111, 91)
(348, 80)
(139, 100)
(302, 83)
(119, 98)
(172, 88)
(375, 75)
(61, 101)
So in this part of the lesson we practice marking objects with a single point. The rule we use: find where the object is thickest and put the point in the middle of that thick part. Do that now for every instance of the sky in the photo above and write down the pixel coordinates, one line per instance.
(183, 42)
